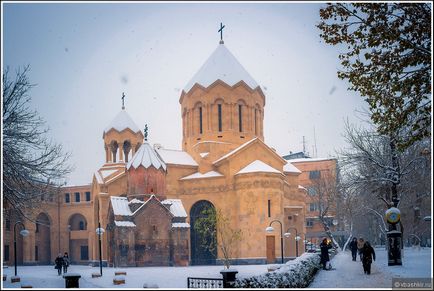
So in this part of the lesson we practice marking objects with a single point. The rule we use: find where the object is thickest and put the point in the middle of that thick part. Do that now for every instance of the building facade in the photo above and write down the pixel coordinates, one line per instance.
(147, 198)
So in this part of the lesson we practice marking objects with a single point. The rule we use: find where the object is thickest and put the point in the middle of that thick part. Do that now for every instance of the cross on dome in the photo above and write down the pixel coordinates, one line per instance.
(221, 33)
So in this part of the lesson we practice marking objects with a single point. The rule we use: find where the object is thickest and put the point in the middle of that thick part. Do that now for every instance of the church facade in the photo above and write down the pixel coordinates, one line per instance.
(147, 198)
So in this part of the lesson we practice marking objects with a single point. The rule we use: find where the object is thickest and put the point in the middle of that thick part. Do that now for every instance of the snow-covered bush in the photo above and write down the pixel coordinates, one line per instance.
(298, 273)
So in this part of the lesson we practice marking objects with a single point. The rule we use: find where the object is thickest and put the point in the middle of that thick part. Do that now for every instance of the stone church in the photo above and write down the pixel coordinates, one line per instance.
(147, 197)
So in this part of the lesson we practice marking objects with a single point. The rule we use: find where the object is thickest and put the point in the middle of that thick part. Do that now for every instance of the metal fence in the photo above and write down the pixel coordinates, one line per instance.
(204, 283)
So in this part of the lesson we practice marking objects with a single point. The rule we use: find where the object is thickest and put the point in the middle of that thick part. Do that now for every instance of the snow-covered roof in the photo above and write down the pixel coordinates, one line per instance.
(176, 207)
(146, 157)
(258, 166)
(106, 173)
(135, 200)
(120, 206)
(235, 150)
(124, 223)
(176, 157)
(122, 121)
(310, 160)
(197, 175)
(180, 225)
(290, 168)
(221, 65)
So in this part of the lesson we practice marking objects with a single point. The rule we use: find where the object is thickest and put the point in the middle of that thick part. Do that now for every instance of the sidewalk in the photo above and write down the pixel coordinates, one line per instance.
(349, 274)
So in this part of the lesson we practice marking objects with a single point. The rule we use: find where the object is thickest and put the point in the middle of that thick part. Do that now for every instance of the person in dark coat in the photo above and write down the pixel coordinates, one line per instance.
(360, 244)
(368, 256)
(325, 246)
(65, 262)
(58, 264)
(353, 248)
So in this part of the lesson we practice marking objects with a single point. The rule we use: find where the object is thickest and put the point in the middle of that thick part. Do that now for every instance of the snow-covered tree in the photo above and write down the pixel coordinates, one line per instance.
(33, 166)
(373, 171)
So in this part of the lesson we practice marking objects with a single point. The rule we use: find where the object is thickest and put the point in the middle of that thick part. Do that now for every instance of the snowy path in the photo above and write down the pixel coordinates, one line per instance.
(349, 274)
(163, 277)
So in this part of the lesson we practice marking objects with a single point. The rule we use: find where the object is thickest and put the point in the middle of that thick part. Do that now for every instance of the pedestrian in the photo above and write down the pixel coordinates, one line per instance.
(58, 263)
(353, 248)
(65, 262)
(325, 246)
(360, 244)
(368, 256)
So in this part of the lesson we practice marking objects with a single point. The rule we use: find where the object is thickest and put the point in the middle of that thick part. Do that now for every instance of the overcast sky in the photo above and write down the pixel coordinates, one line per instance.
(83, 56)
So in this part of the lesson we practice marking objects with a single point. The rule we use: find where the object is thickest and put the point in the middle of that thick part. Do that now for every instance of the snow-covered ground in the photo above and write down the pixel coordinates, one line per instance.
(163, 277)
(349, 274)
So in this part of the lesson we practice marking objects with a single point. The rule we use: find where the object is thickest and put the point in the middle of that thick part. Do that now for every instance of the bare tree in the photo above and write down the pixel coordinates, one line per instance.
(375, 171)
(325, 194)
(227, 237)
(33, 166)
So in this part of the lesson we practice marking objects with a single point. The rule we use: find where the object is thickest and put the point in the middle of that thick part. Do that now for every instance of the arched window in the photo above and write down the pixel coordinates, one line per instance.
(256, 128)
(240, 117)
(219, 109)
(200, 120)
(77, 222)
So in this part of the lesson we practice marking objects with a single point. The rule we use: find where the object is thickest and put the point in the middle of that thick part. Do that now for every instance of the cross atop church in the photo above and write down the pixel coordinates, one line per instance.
(221, 33)
(123, 101)
(145, 131)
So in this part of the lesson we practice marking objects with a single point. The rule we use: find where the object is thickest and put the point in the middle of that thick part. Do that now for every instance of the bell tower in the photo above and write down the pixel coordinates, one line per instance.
(122, 137)
(222, 104)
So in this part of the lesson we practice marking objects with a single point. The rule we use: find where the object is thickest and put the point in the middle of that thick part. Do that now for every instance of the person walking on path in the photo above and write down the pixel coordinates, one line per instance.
(353, 248)
(325, 246)
(368, 256)
(65, 262)
(58, 262)
(360, 244)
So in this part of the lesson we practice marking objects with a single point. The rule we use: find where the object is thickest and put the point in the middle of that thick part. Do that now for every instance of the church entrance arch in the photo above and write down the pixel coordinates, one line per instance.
(201, 254)
(78, 239)
(42, 239)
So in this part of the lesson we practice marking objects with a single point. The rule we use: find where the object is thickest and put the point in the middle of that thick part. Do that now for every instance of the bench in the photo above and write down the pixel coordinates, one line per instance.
(96, 275)
(4, 277)
(120, 273)
(26, 286)
(71, 280)
(118, 280)
(15, 279)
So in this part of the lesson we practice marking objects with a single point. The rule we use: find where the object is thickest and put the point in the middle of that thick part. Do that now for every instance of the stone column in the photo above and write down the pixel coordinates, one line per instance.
(121, 152)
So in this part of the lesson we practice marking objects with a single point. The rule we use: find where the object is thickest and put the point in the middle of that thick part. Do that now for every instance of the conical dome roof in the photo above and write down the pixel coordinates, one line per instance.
(122, 121)
(146, 157)
(224, 66)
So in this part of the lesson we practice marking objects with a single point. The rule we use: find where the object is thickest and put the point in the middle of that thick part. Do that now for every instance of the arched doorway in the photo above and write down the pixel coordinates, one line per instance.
(42, 239)
(201, 254)
(78, 239)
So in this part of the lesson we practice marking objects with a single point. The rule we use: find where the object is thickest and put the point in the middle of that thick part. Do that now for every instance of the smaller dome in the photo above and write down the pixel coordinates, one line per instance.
(146, 157)
(122, 121)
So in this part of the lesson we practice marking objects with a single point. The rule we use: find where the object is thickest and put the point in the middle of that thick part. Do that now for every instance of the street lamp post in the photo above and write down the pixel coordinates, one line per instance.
(99, 232)
(271, 229)
(297, 238)
(24, 233)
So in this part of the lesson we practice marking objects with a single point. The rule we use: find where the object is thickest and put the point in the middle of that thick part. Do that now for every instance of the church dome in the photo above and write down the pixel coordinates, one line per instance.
(146, 157)
(121, 122)
(221, 65)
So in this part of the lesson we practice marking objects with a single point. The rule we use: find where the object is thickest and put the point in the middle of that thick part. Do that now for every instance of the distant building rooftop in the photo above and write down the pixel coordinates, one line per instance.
(298, 155)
